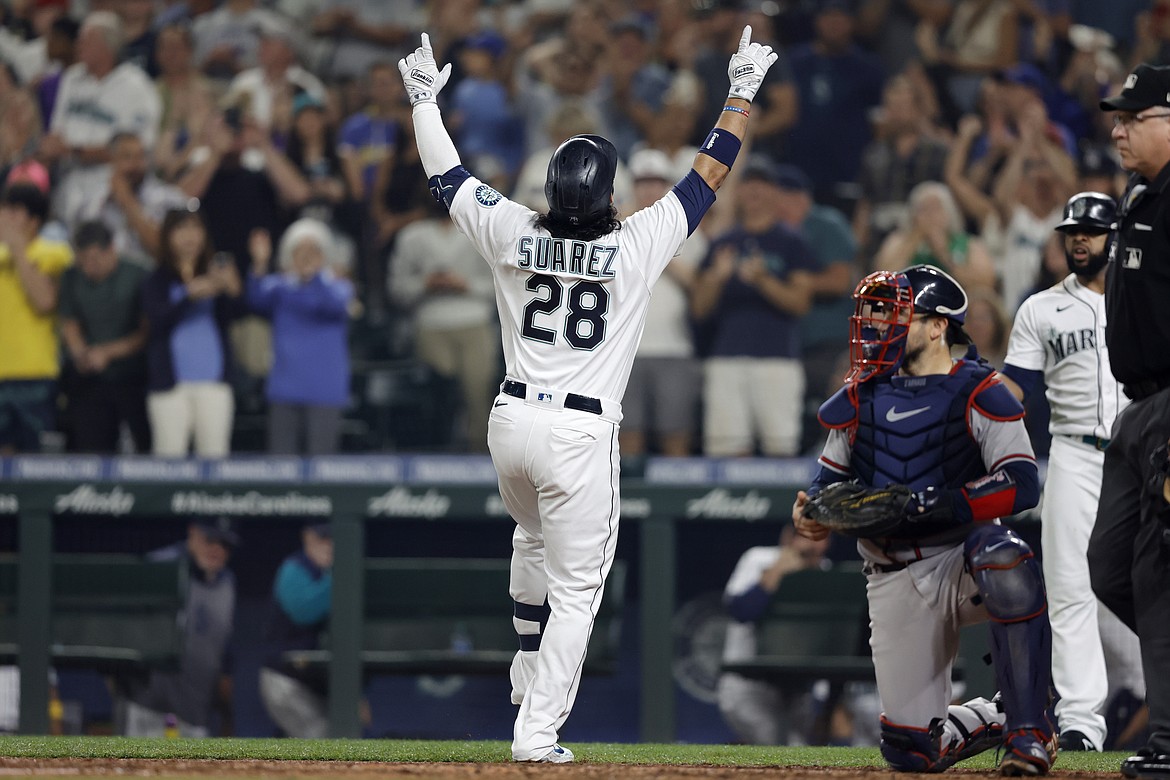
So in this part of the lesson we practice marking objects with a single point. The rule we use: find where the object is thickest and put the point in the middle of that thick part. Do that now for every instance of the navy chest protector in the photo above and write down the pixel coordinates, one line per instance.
(913, 430)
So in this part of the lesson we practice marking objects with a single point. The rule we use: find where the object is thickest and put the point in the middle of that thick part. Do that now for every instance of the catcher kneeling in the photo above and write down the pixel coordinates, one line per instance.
(924, 454)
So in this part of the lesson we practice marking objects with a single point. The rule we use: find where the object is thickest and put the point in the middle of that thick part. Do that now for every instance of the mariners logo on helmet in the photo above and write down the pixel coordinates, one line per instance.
(487, 196)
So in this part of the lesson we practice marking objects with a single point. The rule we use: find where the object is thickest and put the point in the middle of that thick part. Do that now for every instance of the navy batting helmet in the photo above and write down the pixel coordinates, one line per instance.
(936, 292)
(579, 186)
(1094, 212)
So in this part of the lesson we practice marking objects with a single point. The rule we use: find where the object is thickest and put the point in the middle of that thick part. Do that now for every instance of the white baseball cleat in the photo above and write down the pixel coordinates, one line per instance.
(558, 755)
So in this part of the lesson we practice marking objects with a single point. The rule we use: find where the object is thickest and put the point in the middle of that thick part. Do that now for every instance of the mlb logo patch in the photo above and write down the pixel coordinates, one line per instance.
(1133, 258)
(544, 397)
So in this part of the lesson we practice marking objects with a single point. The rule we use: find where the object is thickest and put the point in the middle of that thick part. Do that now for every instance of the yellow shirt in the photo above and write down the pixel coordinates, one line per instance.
(28, 339)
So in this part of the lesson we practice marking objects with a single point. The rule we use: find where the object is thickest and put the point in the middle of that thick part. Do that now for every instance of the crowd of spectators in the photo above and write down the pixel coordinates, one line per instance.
(153, 152)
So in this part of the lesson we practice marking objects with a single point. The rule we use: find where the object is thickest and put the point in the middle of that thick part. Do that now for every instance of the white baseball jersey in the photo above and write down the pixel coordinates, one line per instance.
(1061, 331)
(571, 312)
(757, 711)
(89, 111)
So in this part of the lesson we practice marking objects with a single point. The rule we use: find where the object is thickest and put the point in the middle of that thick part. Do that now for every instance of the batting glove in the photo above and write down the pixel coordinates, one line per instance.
(748, 66)
(421, 75)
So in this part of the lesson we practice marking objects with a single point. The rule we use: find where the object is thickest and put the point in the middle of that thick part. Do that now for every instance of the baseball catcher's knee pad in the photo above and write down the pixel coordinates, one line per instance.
(1006, 573)
(912, 748)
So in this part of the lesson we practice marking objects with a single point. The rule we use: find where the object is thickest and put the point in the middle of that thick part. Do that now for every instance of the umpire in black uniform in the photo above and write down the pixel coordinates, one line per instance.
(1129, 550)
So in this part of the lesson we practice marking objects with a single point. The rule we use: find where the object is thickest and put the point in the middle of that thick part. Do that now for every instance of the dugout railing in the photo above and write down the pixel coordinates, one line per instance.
(351, 491)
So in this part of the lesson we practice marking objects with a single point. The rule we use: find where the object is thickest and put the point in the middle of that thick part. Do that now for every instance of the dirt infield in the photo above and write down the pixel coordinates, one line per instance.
(140, 767)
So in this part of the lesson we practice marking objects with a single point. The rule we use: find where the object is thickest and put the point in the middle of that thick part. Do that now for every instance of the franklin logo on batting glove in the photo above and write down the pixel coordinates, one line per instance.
(424, 78)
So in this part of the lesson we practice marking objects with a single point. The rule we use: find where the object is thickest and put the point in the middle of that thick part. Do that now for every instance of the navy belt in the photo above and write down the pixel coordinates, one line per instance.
(581, 403)
(1144, 389)
(1092, 441)
(869, 567)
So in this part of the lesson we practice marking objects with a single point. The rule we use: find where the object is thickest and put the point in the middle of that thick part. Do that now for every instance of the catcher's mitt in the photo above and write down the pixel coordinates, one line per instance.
(855, 510)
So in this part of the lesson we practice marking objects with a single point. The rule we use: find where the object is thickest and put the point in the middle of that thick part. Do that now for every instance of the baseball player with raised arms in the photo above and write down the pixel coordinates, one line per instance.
(1059, 338)
(954, 435)
(572, 287)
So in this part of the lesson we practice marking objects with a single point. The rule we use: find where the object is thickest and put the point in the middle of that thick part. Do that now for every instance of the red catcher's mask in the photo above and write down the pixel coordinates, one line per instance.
(883, 308)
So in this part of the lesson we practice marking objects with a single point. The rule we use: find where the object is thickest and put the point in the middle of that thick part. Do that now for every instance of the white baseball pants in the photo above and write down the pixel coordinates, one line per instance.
(558, 475)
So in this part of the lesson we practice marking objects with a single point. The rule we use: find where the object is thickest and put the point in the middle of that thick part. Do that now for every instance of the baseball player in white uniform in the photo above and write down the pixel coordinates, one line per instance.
(572, 287)
(1059, 337)
(758, 711)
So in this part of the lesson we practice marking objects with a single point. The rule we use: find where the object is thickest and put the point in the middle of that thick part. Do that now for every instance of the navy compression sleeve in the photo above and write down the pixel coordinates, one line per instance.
(696, 196)
(750, 605)
(1026, 378)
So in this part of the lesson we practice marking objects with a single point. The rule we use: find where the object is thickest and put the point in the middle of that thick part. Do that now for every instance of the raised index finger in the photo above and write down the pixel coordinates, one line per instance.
(746, 38)
(426, 42)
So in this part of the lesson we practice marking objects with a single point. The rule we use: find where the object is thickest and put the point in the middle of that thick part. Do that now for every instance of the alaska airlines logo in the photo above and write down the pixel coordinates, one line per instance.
(893, 415)
(401, 502)
(719, 503)
(87, 500)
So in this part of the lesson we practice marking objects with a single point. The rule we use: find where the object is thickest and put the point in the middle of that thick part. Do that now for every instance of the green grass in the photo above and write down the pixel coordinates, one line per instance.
(420, 751)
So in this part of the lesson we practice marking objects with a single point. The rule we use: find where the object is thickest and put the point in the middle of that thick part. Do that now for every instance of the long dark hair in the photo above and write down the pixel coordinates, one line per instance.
(561, 227)
(295, 148)
(171, 222)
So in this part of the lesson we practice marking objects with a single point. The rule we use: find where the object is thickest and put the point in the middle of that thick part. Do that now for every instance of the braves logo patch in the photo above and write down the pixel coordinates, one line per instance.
(487, 196)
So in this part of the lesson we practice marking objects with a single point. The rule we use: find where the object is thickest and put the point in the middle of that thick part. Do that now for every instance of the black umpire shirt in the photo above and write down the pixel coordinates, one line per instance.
(1137, 287)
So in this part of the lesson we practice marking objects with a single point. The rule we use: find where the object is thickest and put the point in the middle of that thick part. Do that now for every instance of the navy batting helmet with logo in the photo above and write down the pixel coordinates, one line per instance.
(579, 186)
(1094, 212)
(936, 292)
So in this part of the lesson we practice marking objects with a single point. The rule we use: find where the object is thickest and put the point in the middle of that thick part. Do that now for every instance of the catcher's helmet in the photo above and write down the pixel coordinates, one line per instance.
(936, 292)
(1094, 212)
(883, 308)
(579, 186)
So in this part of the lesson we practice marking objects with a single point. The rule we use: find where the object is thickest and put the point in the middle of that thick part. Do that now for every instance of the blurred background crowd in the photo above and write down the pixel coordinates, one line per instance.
(216, 236)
